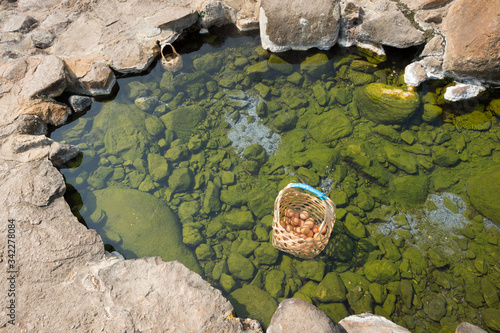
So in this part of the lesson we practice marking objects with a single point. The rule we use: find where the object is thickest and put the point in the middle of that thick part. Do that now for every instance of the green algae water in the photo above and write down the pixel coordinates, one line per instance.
(187, 165)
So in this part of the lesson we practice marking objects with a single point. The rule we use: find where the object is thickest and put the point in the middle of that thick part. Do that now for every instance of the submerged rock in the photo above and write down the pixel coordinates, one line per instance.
(184, 120)
(252, 301)
(145, 224)
(386, 104)
(124, 130)
(483, 193)
(411, 190)
(330, 126)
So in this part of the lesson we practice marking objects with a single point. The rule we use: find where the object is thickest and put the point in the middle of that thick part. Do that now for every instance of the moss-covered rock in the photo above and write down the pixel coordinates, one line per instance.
(146, 226)
(211, 202)
(410, 191)
(336, 311)
(436, 308)
(146, 103)
(154, 126)
(240, 267)
(188, 209)
(158, 167)
(355, 229)
(266, 254)
(378, 292)
(362, 157)
(431, 113)
(233, 196)
(280, 65)
(255, 152)
(483, 193)
(275, 282)
(285, 121)
(261, 201)
(381, 271)
(227, 282)
(329, 126)
(443, 156)
(295, 78)
(340, 248)
(315, 65)
(183, 121)
(209, 62)
(401, 159)
(331, 289)
(136, 89)
(239, 219)
(320, 94)
(310, 269)
(124, 130)
(386, 104)
(341, 95)
(250, 301)
(247, 246)
(491, 318)
(180, 180)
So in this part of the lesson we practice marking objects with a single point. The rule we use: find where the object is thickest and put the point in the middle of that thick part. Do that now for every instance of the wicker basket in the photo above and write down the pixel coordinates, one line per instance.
(308, 235)
(170, 59)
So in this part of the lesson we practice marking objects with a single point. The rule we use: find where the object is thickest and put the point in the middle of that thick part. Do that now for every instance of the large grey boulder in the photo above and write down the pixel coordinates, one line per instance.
(295, 315)
(301, 26)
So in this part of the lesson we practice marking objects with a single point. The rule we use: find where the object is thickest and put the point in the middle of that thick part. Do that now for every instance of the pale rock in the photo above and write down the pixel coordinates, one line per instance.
(392, 29)
(214, 14)
(128, 56)
(462, 91)
(428, 68)
(46, 77)
(301, 26)
(90, 76)
(369, 323)
(434, 47)
(42, 38)
(415, 74)
(247, 24)
(19, 23)
(295, 315)
(14, 70)
(465, 327)
(173, 18)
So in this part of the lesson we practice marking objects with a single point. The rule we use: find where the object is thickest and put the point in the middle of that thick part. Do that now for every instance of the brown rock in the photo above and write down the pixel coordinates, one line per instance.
(90, 76)
(296, 315)
(299, 27)
(369, 323)
(472, 39)
(50, 112)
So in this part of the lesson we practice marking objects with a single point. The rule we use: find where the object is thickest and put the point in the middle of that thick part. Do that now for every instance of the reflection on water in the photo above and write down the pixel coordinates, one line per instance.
(187, 166)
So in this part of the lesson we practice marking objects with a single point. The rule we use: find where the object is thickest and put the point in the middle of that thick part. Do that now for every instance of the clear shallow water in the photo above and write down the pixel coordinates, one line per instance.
(166, 169)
